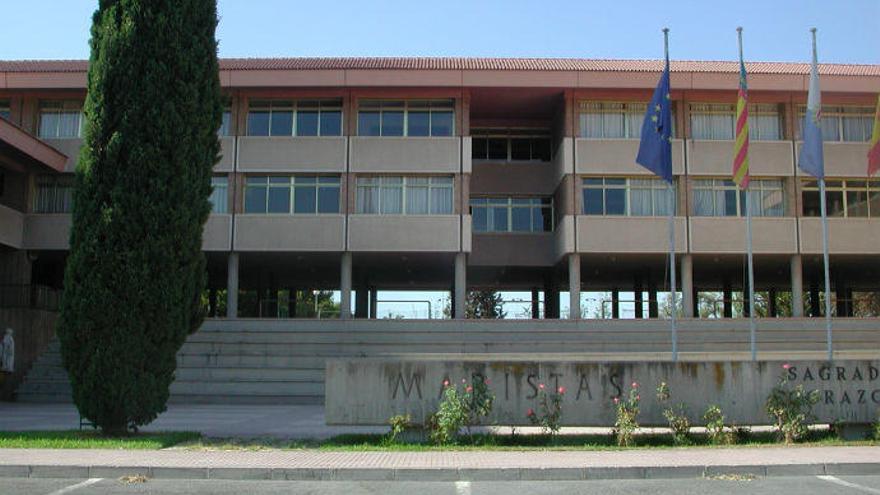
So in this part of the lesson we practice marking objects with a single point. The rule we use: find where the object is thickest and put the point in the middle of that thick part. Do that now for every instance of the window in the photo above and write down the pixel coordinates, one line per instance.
(851, 124)
(225, 124)
(723, 198)
(511, 145)
(599, 119)
(625, 196)
(717, 122)
(843, 198)
(54, 194)
(219, 195)
(298, 194)
(411, 118)
(512, 214)
(295, 118)
(60, 119)
(4, 109)
(395, 195)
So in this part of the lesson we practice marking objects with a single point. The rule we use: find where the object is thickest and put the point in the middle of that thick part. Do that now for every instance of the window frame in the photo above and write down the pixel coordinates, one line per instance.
(509, 135)
(219, 182)
(871, 186)
(291, 185)
(294, 107)
(628, 188)
(407, 106)
(59, 107)
(756, 186)
(55, 184)
(838, 112)
(404, 186)
(755, 109)
(5, 108)
(535, 203)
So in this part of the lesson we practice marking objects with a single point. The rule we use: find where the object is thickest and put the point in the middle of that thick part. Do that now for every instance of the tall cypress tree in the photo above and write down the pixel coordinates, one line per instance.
(136, 269)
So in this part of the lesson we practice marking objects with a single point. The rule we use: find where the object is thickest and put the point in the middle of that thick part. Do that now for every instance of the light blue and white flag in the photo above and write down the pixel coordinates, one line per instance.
(812, 160)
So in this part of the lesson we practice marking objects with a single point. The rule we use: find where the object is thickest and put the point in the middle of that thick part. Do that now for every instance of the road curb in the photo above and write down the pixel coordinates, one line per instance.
(437, 474)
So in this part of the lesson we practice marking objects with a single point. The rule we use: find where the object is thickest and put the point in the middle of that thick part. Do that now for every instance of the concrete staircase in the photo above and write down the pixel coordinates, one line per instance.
(47, 380)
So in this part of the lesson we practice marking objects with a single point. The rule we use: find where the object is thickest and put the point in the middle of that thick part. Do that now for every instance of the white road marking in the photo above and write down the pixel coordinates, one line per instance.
(462, 488)
(68, 489)
(838, 481)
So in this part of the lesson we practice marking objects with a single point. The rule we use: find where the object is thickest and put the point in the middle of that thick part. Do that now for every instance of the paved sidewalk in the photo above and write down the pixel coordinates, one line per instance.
(441, 466)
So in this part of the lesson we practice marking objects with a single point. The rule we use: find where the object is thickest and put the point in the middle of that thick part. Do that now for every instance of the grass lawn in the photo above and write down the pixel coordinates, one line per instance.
(91, 439)
(374, 442)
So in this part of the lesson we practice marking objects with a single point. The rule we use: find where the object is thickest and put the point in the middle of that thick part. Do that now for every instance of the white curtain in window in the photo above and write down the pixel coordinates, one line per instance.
(661, 201)
(368, 196)
(591, 125)
(48, 124)
(712, 126)
(641, 202)
(417, 196)
(856, 128)
(764, 128)
(68, 124)
(634, 121)
(441, 201)
(704, 199)
(392, 196)
(613, 125)
(830, 128)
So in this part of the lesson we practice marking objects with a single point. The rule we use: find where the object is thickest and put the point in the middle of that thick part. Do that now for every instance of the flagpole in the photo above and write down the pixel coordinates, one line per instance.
(751, 267)
(672, 275)
(824, 213)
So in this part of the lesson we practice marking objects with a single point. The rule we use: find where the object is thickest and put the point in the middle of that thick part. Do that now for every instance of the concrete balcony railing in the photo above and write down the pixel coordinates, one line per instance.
(728, 235)
(610, 234)
(618, 157)
(766, 158)
(68, 146)
(406, 154)
(11, 227)
(227, 155)
(217, 235)
(565, 236)
(513, 249)
(845, 235)
(49, 231)
(260, 232)
(291, 154)
(402, 233)
(842, 159)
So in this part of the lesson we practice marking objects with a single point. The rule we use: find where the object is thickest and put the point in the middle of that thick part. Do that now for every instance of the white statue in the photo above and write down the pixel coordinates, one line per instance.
(7, 352)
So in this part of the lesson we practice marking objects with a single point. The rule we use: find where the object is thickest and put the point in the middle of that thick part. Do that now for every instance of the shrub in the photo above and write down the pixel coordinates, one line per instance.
(460, 408)
(549, 409)
(627, 415)
(715, 429)
(791, 408)
(399, 424)
(876, 429)
(675, 415)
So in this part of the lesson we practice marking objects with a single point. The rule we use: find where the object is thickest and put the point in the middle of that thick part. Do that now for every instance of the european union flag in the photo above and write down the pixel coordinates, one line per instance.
(655, 150)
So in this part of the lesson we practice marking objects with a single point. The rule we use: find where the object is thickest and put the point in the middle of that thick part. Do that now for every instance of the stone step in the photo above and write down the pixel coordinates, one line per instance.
(297, 400)
(43, 398)
(274, 389)
(239, 360)
(231, 374)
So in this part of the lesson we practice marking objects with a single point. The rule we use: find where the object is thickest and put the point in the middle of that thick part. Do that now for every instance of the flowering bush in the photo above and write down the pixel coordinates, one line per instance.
(399, 424)
(460, 408)
(676, 416)
(717, 432)
(627, 414)
(549, 413)
(791, 408)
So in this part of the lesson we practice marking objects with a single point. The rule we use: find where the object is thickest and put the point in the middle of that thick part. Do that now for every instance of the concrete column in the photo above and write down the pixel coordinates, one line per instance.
(232, 286)
(815, 304)
(536, 304)
(361, 302)
(727, 295)
(637, 293)
(771, 303)
(687, 285)
(653, 306)
(374, 302)
(460, 286)
(797, 286)
(291, 302)
(574, 286)
(615, 304)
(345, 286)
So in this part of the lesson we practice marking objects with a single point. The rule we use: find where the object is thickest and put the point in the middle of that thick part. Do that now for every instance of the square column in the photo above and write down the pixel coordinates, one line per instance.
(345, 286)
(797, 286)
(536, 304)
(232, 286)
(460, 286)
(574, 286)
(687, 285)
(374, 302)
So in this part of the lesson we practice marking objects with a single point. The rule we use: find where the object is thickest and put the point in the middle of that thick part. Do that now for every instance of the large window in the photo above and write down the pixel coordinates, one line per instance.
(4, 109)
(843, 198)
(219, 195)
(512, 214)
(842, 123)
(713, 121)
(406, 118)
(60, 119)
(511, 145)
(225, 123)
(54, 194)
(625, 196)
(723, 198)
(396, 195)
(298, 194)
(611, 120)
(295, 118)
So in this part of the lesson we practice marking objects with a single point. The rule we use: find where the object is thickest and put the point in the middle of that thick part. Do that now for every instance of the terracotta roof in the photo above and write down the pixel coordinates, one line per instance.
(457, 63)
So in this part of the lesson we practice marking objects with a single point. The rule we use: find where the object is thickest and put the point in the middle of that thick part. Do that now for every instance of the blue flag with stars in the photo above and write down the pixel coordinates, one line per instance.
(655, 149)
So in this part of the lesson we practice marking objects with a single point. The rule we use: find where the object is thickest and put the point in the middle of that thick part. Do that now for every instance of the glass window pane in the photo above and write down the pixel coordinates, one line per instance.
(541, 149)
(392, 200)
(367, 198)
(279, 200)
(417, 200)
(593, 204)
(418, 124)
(328, 199)
(49, 124)
(441, 123)
(304, 199)
(521, 219)
(441, 201)
(811, 203)
(368, 124)
(281, 123)
(392, 123)
(307, 123)
(729, 202)
(479, 148)
(834, 203)
(331, 123)
(857, 203)
(499, 219)
(480, 218)
(520, 149)
(497, 149)
(258, 123)
(255, 200)
(542, 219)
(615, 201)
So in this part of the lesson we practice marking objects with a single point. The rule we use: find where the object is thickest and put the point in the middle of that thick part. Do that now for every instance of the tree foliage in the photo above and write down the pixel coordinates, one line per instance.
(136, 270)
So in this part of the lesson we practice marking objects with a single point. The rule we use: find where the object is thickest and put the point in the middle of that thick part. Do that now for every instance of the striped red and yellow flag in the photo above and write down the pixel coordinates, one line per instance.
(741, 147)
(874, 148)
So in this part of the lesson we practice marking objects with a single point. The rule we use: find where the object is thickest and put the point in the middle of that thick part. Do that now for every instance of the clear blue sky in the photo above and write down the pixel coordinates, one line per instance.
(775, 30)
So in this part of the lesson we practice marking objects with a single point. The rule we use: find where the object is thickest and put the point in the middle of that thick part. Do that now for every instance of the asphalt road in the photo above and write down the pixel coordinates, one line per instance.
(802, 485)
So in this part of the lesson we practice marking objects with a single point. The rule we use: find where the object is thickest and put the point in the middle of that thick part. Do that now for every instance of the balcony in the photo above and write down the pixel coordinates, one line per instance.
(260, 232)
(728, 235)
(47, 231)
(291, 154)
(715, 158)
(403, 233)
(406, 154)
(618, 157)
(217, 233)
(845, 235)
(607, 234)
(843, 159)
(68, 146)
(11, 227)
(227, 155)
